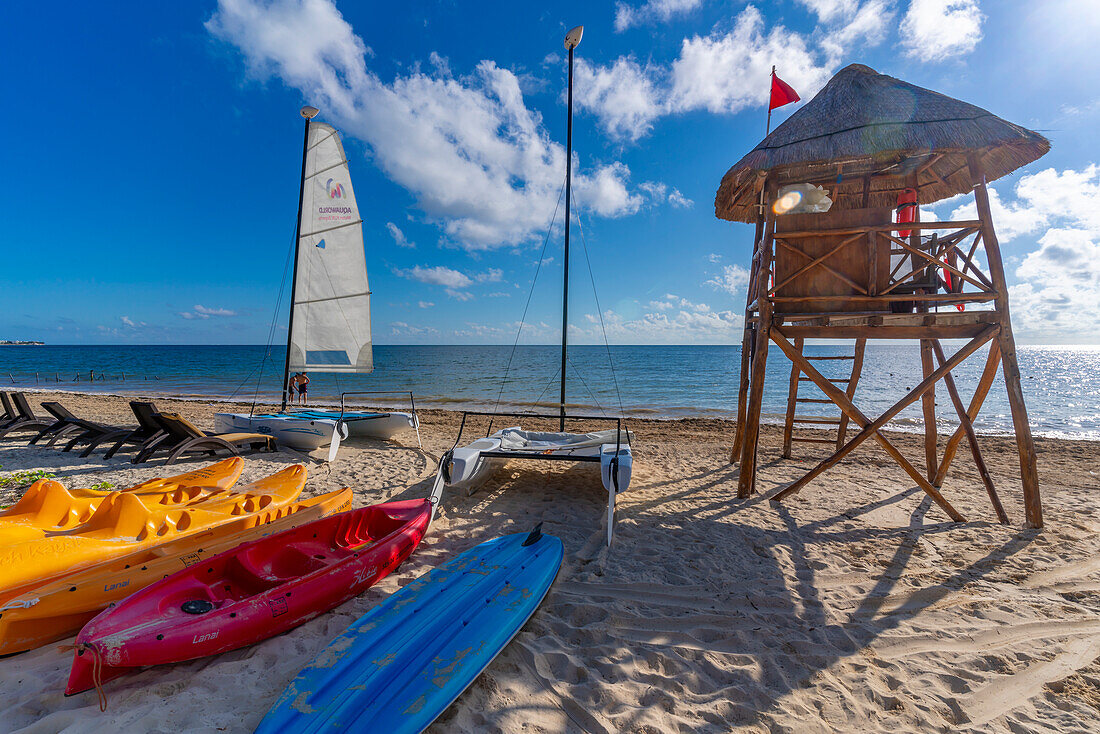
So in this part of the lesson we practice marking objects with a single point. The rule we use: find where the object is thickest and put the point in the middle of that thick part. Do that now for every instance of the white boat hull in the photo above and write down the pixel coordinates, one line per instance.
(298, 433)
(467, 468)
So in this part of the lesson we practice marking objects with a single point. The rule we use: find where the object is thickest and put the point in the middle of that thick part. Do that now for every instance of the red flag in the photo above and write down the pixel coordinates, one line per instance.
(782, 93)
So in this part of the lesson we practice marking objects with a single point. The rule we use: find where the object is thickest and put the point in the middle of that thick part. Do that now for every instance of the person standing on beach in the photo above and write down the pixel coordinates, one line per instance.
(303, 386)
(291, 384)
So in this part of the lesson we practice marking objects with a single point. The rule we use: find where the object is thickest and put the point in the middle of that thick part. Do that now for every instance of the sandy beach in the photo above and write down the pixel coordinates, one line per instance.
(856, 606)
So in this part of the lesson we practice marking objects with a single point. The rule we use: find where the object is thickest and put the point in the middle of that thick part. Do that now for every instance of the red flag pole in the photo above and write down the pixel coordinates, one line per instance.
(767, 132)
(768, 129)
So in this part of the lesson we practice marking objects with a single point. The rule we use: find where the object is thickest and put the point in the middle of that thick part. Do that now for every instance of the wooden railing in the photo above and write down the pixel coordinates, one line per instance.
(951, 253)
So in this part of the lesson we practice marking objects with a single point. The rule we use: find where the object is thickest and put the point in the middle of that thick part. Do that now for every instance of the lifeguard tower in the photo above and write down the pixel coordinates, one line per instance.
(878, 148)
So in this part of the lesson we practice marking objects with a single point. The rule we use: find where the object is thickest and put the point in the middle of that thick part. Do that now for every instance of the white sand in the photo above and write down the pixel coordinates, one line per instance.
(855, 606)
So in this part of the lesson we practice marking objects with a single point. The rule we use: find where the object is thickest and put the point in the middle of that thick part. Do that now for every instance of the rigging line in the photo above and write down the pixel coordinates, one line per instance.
(548, 384)
(272, 326)
(599, 309)
(580, 377)
(530, 292)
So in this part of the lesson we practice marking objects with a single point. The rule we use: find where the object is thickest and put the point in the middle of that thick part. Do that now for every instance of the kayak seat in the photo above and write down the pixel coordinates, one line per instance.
(50, 505)
(270, 569)
(367, 527)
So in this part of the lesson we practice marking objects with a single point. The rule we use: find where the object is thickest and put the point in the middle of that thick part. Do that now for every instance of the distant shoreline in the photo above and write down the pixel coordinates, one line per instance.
(8, 343)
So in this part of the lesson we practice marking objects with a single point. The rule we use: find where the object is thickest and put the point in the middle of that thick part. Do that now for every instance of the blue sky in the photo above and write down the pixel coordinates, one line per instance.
(153, 159)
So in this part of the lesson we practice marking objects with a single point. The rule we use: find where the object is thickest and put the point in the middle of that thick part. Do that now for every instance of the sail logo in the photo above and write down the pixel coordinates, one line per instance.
(321, 244)
(334, 192)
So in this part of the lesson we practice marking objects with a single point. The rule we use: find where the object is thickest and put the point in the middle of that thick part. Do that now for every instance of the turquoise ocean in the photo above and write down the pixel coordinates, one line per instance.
(1061, 383)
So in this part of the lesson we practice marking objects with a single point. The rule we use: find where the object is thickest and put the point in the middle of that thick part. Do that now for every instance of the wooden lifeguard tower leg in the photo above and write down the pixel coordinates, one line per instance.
(871, 428)
(853, 379)
(1025, 444)
(746, 479)
(792, 404)
(748, 339)
(928, 406)
(989, 374)
(966, 425)
(793, 400)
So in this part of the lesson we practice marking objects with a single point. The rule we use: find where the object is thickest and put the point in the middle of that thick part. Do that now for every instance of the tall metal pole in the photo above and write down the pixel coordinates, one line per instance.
(565, 280)
(308, 113)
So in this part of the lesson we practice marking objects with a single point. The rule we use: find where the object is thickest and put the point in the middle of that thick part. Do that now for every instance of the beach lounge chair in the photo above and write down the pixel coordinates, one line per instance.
(148, 430)
(67, 425)
(25, 419)
(77, 430)
(182, 437)
(9, 416)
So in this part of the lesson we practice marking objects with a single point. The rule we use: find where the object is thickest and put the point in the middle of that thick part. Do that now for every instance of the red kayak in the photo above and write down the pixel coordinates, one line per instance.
(258, 590)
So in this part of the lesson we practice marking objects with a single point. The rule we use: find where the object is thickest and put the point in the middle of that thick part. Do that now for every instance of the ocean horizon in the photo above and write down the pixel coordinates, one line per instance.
(1061, 383)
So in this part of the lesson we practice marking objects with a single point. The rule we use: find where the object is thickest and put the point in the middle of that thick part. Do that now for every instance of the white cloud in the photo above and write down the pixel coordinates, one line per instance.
(651, 11)
(692, 323)
(399, 237)
(714, 257)
(722, 73)
(204, 312)
(856, 25)
(438, 275)
(214, 311)
(671, 301)
(425, 304)
(401, 328)
(478, 161)
(130, 323)
(623, 95)
(933, 30)
(726, 73)
(733, 279)
(606, 192)
(678, 200)
(828, 10)
(1058, 296)
(492, 275)
(453, 281)
(1044, 198)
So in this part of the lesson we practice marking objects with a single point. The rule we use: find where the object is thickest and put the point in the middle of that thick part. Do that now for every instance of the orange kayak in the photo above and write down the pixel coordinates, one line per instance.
(124, 524)
(59, 609)
(48, 506)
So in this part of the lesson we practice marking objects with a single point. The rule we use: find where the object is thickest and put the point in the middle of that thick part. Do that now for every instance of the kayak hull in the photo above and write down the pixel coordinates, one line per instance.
(246, 595)
(59, 609)
(398, 667)
(47, 506)
(124, 524)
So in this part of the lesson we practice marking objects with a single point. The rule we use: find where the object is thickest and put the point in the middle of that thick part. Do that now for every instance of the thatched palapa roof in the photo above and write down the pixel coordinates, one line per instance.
(863, 123)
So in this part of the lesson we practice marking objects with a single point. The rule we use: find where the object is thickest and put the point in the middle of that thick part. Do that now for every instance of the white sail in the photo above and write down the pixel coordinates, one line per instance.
(331, 322)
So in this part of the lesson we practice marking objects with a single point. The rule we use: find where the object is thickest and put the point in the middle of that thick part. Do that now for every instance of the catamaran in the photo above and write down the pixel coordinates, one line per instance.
(470, 466)
(329, 328)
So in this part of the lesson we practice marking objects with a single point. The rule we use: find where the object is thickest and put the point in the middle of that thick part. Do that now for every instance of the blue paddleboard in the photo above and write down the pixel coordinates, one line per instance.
(400, 665)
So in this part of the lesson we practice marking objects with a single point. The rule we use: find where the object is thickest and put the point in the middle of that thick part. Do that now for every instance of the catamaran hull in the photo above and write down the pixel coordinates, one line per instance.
(297, 433)
(467, 469)
(369, 425)
(385, 427)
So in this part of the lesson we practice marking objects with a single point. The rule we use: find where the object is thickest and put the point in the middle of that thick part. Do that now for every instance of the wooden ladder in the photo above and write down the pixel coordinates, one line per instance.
(841, 422)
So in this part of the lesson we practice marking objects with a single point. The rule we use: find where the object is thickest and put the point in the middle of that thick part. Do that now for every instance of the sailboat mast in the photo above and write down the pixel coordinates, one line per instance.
(571, 40)
(308, 113)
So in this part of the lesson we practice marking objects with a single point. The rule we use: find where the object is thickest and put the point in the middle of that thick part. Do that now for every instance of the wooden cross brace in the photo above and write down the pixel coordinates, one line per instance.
(871, 429)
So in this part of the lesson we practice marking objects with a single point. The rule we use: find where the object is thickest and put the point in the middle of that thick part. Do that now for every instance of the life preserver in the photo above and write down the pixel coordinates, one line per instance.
(949, 279)
(906, 210)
